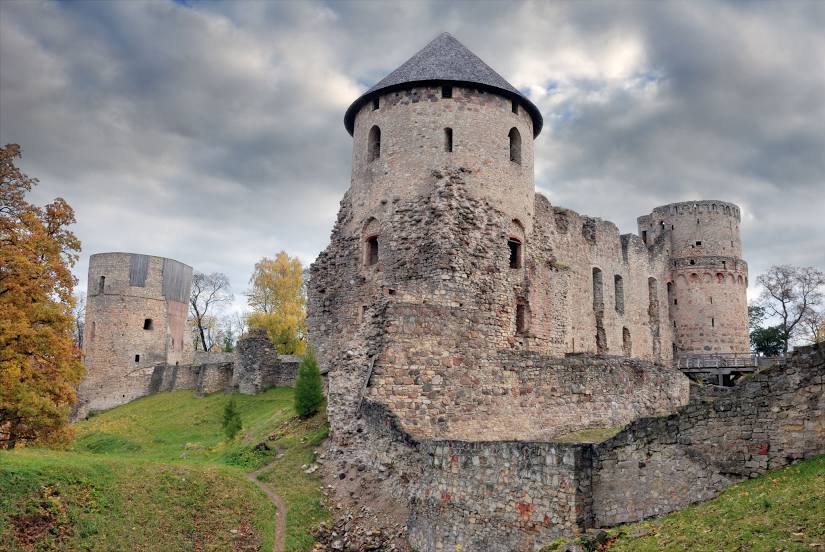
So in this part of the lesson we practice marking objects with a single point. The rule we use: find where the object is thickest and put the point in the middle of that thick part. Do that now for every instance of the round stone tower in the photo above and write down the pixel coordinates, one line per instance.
(136, 309)
(444, 107)
(707, 289)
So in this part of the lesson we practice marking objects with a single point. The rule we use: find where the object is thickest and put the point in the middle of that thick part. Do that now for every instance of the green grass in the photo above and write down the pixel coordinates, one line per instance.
(175, 427)
(591, 435)
(300, 491)
(159, 474)
(781, 510)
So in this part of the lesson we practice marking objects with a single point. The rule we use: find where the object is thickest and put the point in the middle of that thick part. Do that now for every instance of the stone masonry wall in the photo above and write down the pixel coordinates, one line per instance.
(708, 280)
(763, 423)
(519, 495)
(135, 315)
(259, 366)
(431, 328)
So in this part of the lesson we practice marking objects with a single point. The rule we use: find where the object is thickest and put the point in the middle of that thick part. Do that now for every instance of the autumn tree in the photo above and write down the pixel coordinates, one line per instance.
(277, 300)
(789, 295)
(209, 292)
(39, 362)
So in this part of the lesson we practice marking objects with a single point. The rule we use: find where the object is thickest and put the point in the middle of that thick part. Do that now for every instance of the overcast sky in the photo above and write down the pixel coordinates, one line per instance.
(213, 133)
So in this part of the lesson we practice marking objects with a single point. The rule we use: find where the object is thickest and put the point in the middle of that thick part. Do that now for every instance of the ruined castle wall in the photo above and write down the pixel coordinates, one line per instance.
(707, 300)
(623, 312)
(135, 318)
(413, 123)
(520, 495)
(437, 376)
(432, 328)
(259, 366)
(763, 423)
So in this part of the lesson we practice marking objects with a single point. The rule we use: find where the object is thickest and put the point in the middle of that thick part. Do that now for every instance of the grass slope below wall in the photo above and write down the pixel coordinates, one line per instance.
(158, 474)
(782, 510)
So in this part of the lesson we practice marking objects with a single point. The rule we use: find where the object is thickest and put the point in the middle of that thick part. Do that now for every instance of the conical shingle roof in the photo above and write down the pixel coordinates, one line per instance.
(445, 60)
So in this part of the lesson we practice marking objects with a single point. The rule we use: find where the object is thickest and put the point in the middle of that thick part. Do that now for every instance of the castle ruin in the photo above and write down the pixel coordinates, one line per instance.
(136, 310)
(469, 327)
(137, 340)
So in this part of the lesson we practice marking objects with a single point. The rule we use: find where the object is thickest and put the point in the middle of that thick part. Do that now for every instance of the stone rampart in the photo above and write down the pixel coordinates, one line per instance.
(519, 495)
(766, 421)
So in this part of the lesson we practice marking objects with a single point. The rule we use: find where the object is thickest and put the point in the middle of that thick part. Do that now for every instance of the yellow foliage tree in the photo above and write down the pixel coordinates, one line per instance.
(39, 362)
(277, 301)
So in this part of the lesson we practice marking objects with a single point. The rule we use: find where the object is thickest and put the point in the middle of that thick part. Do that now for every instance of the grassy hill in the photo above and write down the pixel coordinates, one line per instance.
(158, 474)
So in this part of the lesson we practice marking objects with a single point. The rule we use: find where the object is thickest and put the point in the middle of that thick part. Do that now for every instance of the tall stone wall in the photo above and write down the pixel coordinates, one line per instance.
(136, 309)
(439, 325)
(519, 495)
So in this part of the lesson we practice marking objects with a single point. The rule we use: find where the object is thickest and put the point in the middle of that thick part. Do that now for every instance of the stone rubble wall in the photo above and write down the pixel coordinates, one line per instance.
(255, 367)
(519, 495)
(765, 422)
(432, 326)
(259, 366)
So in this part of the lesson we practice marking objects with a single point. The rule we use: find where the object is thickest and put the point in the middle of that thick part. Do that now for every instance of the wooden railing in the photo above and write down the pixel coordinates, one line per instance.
(719, 360)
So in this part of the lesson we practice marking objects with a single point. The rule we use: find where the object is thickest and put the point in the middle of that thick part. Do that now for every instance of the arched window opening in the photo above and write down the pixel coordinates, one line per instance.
(515, 145)
(101, 285)
(598, 291)
(626, 345)
(147, 324)
(447, 92)
(618, 286)
(374, 144)
(521, 317)
(515, 252)
(448, 140)
(653, 299)
(371, 250)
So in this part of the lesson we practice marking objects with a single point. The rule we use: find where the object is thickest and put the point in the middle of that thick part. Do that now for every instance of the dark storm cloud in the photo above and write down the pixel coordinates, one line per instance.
(212, 132)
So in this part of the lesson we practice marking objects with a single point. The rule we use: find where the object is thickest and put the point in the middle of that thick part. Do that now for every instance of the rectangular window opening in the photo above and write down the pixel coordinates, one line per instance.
(698, 243)
(447, 92)
(375, 104)
(514, 107)
(137, 358)
(147, 324)
(102, 284)
(515, 252)
(448, 140)
(712, 323)
(644, 236)
(521, 318)
(371, 256)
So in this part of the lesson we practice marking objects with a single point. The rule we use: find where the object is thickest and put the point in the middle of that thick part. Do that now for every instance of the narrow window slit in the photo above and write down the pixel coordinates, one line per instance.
(515, 252)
